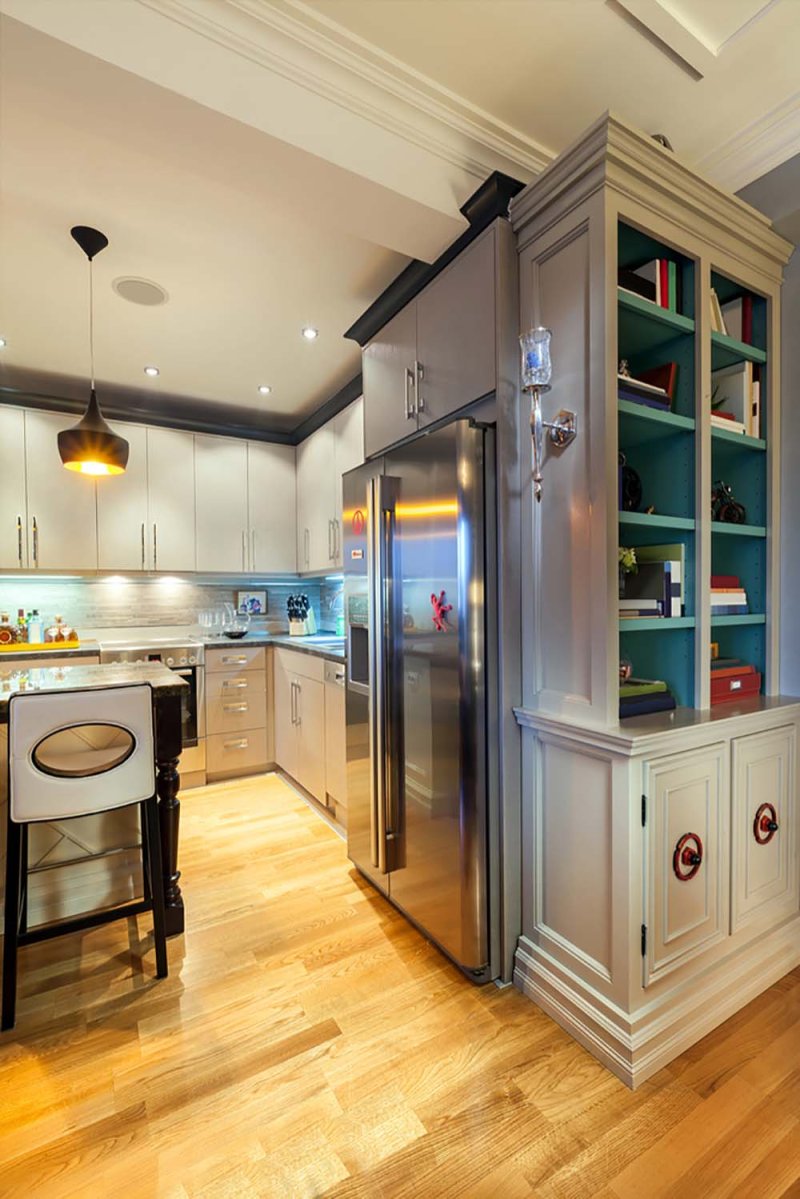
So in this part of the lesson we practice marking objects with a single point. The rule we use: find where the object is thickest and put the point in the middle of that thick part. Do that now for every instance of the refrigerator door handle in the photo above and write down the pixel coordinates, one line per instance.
(379, 550)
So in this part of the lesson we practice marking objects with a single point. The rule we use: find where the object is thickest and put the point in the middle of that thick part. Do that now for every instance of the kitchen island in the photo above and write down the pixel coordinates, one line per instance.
(167, 687)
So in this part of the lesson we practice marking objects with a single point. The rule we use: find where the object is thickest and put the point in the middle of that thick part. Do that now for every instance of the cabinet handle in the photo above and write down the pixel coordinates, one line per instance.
(419, 370)
(252, 549)
(142, 545)
(307, 545)
(409, 383)
(35, 525)
(330, 530)
(155, 546)
(765, 825)
(19, 539)
(243, 744)
(234, 685)
(239, 660)
(688, 857)
(292, 716)
(337, 539)
(298, 717)
(235, 707)
(244, 550)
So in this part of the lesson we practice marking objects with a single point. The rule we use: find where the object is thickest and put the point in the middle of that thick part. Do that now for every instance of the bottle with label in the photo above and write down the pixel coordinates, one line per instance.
(57, 632)
(8, 631)
(35, 628)
(22, 625)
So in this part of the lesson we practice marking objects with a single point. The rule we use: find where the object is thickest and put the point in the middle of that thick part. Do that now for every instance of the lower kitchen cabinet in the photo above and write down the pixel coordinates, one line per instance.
(300, 719)
(335, 744)
(238, 729)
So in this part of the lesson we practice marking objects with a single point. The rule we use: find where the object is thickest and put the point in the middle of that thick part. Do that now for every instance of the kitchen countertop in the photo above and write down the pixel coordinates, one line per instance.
(71, 678)
(319, 644)
(87, 649)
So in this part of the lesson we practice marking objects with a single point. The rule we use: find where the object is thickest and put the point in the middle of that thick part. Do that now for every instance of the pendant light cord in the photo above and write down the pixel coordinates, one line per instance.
(91, 322)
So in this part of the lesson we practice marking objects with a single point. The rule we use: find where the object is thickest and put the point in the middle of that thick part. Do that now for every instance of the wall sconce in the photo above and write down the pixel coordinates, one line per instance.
(536, 374)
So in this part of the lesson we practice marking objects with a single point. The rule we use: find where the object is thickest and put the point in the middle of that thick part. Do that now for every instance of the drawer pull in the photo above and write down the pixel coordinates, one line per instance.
(688, 857)
(765, 825)
(234, 707)
(235, 684)
(237, 661)
(243, 744)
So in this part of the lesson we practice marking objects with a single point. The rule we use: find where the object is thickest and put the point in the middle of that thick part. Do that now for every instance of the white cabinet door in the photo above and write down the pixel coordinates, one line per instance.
(13, 515)
(62, 510)
(316, 493)
(387, 365)
(335, 748)
(310, 716)
(221, 499)
(122, 509)
(687, 839)
(348, 429)
(764, 884)
(284, 687)
(170, 536)
(271, 489)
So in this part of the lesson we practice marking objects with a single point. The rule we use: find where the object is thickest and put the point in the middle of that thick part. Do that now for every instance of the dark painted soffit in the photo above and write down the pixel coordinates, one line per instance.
(489, 202)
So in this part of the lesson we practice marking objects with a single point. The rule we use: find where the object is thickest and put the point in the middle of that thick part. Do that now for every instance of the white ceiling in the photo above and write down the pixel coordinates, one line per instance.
(273, 163)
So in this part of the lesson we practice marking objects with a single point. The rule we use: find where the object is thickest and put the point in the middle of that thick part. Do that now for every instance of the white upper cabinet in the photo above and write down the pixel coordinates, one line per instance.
(221, 500)
(62, 511)
(170, 540)
(122, 509)
(316, 501)
(348, 429)
(271, 504)
(13, 508)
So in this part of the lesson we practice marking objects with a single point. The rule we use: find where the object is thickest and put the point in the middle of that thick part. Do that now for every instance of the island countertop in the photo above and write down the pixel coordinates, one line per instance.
(14, 681)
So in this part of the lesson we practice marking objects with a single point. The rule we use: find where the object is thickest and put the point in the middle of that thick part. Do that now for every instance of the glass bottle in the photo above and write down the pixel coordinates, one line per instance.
(22, 627)
(8, 631)
(56, 632)
(35, 628)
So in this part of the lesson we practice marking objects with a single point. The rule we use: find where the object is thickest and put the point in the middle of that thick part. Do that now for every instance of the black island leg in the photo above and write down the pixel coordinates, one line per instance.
(168, 748)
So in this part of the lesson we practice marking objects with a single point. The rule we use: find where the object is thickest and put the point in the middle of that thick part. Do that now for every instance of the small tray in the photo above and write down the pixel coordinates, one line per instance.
(37, 647)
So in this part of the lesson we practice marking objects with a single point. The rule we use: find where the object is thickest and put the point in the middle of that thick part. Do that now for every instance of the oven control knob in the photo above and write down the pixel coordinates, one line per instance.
(170, 661)
(192, 660)
(183, 660)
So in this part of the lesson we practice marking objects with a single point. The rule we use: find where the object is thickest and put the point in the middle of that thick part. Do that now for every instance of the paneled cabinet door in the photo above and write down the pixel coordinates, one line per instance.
(764, 883)
(171, 500)
(13, 515)
(686, 858)
(221, 499)
(122, 509)
(284, 685)
(271, 489)
(388, 370)
(62, 508)
(456, 333)
(310, 710)
(348, 429)
(316, 499)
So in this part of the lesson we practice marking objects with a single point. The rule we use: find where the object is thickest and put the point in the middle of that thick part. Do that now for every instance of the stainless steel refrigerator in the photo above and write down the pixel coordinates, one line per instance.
(419, 567)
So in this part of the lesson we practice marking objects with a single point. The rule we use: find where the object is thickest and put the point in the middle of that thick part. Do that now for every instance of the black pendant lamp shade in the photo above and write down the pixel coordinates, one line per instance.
(92, 447)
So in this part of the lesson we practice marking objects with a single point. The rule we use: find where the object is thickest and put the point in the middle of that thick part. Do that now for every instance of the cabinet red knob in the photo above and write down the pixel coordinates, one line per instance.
(765, 825)
(688, 857)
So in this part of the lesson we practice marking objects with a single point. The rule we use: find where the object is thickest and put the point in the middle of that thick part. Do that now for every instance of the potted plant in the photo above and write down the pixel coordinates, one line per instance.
(627, 566)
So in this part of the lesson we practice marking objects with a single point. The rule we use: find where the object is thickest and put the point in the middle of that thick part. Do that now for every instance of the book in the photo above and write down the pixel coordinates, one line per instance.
(755, 407)
(673, 286)
(717, 319)
(738, 317)
(662, 377)
(722, 420)
(642, 385)
(643, 705)
(729, 609)
(663, 282)
(635, 687)
(646, 615)
(737, 596)
(675, 556)
(733, 387)
(726, 672)
(636, 397)
(725, 582)
(735, 686)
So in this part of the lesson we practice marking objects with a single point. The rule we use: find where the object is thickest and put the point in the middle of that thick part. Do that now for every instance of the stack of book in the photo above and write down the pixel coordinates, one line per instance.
(734, 319)
(728, 596)
(656, 280)
(640, 697)
(653, 388)
(731, 679)
(736, 394)
(656, 589)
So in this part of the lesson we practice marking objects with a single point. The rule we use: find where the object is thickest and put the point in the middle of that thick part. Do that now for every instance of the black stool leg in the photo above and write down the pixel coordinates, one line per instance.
(146, 870)
(23, 905)
(157, 884)
(11, 923)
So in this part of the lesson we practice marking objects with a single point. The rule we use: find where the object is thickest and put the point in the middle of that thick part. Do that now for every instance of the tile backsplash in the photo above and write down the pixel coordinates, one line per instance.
(113, 601)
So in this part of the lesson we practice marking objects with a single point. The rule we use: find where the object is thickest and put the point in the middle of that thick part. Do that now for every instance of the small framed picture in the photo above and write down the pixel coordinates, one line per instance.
(251, 603)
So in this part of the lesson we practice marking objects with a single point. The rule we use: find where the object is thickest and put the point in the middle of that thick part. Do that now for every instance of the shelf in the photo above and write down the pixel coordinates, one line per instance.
(645, 326)
(725, 351)
(719, 528)
(748, 618)
(661, 423)
(663, 623)
(738, 439)
(650, 520)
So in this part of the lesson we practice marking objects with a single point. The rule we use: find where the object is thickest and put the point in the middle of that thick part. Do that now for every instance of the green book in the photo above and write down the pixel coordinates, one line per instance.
(640, 687)
(672, 279)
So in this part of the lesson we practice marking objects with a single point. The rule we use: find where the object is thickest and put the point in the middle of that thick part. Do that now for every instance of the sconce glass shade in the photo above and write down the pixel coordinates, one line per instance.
(536, 366)
(92, 447)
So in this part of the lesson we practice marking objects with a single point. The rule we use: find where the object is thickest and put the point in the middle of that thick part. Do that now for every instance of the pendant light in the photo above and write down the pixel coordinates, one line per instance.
(92, 447)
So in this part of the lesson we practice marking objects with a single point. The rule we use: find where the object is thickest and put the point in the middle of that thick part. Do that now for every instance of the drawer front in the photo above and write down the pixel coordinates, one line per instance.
(248, 657)
(232, 711)
(686, 910)
(307, 666)
(237, 753)
(234, 684)
(764, 884)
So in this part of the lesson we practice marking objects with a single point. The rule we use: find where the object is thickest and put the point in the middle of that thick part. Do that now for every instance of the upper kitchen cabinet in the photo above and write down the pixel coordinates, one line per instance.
(221, 503)
(348, 429)
(13, 508)
(439, 353)
(272, 508)
(145, 521)
(316, 500)
(62, 512)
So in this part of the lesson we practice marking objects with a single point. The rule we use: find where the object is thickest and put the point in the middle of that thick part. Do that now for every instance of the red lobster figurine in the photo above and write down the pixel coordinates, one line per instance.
(440, 610)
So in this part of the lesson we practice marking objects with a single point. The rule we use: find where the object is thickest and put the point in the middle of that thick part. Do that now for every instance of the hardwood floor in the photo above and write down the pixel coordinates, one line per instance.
(310, 1042)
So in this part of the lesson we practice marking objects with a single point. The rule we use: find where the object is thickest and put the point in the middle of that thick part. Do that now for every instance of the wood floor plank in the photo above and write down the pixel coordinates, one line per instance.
(310, 1042)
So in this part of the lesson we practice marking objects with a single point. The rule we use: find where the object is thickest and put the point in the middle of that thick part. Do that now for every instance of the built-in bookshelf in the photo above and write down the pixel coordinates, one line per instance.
(671, 443)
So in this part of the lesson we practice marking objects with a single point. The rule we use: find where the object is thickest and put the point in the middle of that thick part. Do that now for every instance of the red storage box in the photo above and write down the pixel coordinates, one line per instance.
(735, 685)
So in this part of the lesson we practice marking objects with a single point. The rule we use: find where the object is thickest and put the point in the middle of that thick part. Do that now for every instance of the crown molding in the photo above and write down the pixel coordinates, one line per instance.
(758, 148)
(299, 44)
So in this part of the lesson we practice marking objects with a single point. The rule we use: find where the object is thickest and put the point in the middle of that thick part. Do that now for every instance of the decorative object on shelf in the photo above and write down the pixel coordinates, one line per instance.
(724, 507)
(440, 611)
(627, 566)
(92, 447)
(536, 375)
(251, 603)
(630, 487)
(234, 624)
(8, 631)
(625, 670)
(688, 857)
(654, 388)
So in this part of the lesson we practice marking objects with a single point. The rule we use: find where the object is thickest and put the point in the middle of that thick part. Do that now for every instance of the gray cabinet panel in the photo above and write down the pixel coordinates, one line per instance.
(456, 334)
(388, 368)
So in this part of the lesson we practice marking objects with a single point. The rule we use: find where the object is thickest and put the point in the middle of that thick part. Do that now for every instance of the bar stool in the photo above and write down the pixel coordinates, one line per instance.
(76, 753)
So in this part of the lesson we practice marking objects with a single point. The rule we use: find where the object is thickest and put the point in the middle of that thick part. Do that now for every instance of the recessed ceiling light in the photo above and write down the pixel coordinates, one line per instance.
(264, 390)
(310, 334)
(3, 343)
(152, 371)
(140, 291)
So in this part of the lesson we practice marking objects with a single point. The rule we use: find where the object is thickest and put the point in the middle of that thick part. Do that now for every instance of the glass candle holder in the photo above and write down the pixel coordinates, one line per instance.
(536, 366)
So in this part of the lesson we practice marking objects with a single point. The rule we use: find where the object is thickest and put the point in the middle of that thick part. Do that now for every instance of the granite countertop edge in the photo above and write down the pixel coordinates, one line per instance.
(284, 640)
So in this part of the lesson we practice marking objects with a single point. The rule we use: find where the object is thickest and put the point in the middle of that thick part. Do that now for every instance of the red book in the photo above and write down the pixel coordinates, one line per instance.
(747, 319)
(730, 689)
(663, 275)
(731, 672)
(725, 582)
(661, 376)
